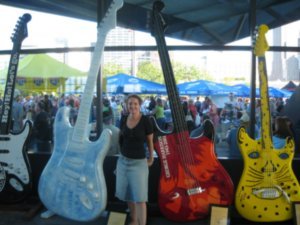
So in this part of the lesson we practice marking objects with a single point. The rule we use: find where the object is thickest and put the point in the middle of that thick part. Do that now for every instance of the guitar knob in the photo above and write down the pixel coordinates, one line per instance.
(82, 179)
(205, 175)
(97, 196)
(90, 186)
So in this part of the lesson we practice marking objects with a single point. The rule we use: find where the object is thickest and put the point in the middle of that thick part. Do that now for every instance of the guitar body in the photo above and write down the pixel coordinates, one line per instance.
(73, 184)
(191, 176)
(14, 160)
(267, 187)
(188, 187)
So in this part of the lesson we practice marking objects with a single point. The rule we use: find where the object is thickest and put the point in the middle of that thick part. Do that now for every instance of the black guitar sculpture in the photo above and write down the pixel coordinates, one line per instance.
(15, 172)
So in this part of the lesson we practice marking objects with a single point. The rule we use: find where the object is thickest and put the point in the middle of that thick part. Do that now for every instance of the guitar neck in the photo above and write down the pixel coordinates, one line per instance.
(17, 38)
(82, 121)
(265, 105)
(107, 23)
(9, 92)
(175, 104)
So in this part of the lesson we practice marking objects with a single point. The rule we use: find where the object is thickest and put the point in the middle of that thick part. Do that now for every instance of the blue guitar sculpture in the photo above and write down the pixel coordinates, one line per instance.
(72, 184)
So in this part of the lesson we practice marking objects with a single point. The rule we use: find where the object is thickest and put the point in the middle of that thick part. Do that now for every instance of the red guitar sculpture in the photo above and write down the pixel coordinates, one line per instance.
(191, 176)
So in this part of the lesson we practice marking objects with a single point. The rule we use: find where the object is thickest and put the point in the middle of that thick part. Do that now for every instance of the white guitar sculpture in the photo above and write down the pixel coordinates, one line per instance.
(15, 171)
(72, 184)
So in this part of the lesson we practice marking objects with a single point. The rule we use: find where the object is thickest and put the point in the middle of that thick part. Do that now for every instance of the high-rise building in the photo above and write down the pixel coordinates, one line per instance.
(277, 71)
(121, 37)
(292, 66)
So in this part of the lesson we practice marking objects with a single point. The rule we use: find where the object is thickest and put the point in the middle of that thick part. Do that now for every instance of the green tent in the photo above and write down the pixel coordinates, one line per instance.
(40, 72)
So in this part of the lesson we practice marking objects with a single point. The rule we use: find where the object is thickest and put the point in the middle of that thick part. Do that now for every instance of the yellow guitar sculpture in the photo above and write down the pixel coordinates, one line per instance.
(268, 185)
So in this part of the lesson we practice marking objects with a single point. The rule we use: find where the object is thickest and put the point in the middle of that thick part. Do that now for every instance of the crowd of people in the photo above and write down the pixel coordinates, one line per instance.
(41, 110)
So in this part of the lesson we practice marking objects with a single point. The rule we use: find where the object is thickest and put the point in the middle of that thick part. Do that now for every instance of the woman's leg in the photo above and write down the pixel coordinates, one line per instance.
(133, 213)
(141, 212)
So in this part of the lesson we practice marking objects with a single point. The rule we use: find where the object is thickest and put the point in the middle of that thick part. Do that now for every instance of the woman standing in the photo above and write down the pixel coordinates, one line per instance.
(132, 165)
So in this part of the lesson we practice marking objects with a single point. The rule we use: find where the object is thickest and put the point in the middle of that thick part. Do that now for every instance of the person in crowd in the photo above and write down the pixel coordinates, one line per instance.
(231, 136)
(188, 116)
(205, 105)
(132, 166)
(198, 104)
(243, 119)
(18, 112)
(152, 103)
(192, 108)
(258, 112)
(107, 123)
(48, 104)
(213, 113)
(42, 131)
(117, 108)
(61, 101)
(158, 112)
(281, 132)
(73, 112)
(229, 112)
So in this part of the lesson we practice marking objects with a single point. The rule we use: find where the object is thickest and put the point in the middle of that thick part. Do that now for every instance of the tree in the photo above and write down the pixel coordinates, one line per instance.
(147, 71)
(110, 69)
(185, 73)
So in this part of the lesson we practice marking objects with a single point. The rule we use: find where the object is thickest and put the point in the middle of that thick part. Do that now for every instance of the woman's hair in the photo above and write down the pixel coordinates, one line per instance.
(140, 100)
(282, 127)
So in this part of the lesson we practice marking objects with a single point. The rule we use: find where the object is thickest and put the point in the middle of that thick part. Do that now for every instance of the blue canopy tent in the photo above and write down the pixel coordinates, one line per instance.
(203, 87)
(126, 84)
(243, 90)
(276, 93)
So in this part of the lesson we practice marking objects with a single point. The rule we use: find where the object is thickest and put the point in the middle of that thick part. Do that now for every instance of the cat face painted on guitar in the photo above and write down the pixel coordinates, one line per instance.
(191, 176)
(268, 185)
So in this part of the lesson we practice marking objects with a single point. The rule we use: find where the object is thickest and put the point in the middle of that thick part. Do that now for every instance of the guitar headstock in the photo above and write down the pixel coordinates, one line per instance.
(261, 44)
(20, 31)
(110, 19)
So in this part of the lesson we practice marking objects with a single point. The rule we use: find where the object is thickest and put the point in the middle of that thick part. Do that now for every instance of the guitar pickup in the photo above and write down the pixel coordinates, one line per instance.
(194, 191)
(4, 138)
(4, 151)
(3, 164)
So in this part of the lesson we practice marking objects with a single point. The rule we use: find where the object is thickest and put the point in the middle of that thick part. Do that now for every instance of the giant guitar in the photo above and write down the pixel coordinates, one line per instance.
(268, 186)
(191, 177)
(72, 184)
(15, 171)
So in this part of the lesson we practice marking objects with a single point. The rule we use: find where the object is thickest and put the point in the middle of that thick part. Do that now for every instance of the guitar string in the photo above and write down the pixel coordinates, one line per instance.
(179, 120)
(180, 125)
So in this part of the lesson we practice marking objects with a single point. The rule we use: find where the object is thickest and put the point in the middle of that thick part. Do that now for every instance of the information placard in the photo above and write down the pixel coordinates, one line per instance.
(296, 208)
(116, 218)
(219, 215)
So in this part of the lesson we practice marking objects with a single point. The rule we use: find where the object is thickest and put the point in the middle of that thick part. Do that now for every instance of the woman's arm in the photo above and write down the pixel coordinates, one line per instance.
(150, 146)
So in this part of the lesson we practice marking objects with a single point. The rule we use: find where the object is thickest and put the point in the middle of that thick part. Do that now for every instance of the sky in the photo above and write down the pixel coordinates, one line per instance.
(46, 30)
